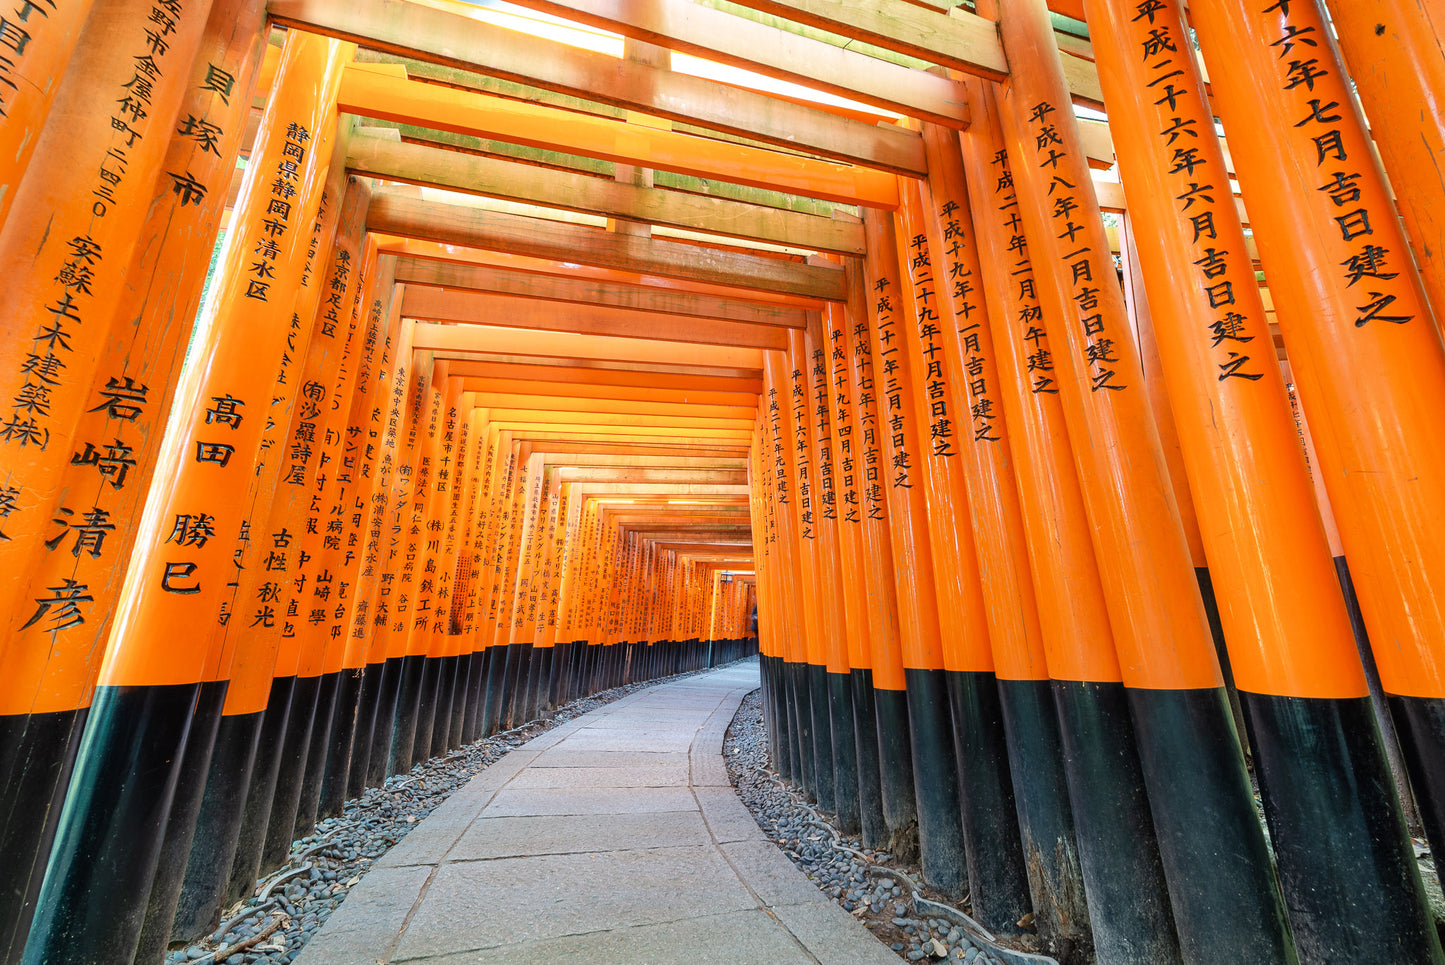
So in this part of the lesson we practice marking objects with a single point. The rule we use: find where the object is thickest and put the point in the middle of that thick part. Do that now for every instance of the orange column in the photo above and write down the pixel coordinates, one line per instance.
(36, 44)
(799, 430)
(166, 590)
(1368, 362)
(95, 523)
(1393, 51)
(1037, 792)
(834, 592)
(1214, 852)
(1284, 618)
(862, 599)
(895, 761)
(799, 692)
(149, 680)
(1118, 855)
(916, 560)
(66, 251)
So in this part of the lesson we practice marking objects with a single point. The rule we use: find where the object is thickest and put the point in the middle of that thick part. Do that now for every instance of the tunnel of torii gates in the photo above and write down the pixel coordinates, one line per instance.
(382, 374)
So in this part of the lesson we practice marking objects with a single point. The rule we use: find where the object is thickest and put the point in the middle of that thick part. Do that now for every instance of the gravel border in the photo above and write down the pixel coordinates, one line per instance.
(874, 886)
(288, 906)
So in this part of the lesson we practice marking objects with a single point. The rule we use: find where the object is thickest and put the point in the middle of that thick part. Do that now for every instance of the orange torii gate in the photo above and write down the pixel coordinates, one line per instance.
(521, 372)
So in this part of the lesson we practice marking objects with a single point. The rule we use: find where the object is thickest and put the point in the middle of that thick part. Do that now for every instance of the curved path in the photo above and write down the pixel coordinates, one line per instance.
(614, 839)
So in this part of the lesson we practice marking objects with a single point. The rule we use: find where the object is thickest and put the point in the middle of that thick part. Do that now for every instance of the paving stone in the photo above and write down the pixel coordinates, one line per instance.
(741, 938)
(479, 904)
(566, 756)
(511, 837)
(762, 866)
(599, 800)
(832, 935)
(637, 775)
(366, 926)
(728, 819)
(614, 839)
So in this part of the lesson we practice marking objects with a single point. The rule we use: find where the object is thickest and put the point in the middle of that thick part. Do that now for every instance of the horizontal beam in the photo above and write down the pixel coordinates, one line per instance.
(510, 311)
(557, 403)
(500, 281)
(572, 447)
(611, 394)
(602, 460)
(393, 212)
(960, 39)
(635, 474)
(437, 36)
(695, 386)
(609, 420)
(717, 35)
(432, 251)
(375, 90)
(428, 336)
(571, 191)
(521, 428)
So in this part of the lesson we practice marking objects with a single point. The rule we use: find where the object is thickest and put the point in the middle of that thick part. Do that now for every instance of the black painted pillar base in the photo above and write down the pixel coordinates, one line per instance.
(475, 694)
(408, 701)
(384, 728)
(1128, 899)
(865, 740)
(1339, 833)
(800, 705)
(1420, 724)
(997, 876)
(367, 700)
(295, 750)
(845, 752)
(165, 892)
(527, 681)
(492, 705)
(426, 709)
(309, 802)
(935, 783)
(1045, 817)
(1226, 899)
(98, 882)
(775, 699)
(441, 728)
(546, 656)
(218, 827)
(261, 793)
(895, 771)
(461, 692)
(342, 744)
(39, 751)
(822, 738)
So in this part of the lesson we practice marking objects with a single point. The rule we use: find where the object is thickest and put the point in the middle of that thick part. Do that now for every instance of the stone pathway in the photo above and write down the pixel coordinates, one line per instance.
(614, 839)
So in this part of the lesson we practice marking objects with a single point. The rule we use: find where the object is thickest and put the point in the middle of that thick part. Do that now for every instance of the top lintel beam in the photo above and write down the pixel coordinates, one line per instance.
(454, 40)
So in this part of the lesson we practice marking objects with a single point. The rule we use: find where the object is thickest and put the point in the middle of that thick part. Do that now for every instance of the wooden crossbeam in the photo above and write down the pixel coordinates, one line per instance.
(429, 336)
(610, 421)
(394, 212)
(510, 311)
(374, 90)
(412, 30)
(515, 181)
(558, 403)
(959, 39)
(431, 251)
(717, 35)
(601, 380)
(500, 281)
(640, 395)
(723, 477)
